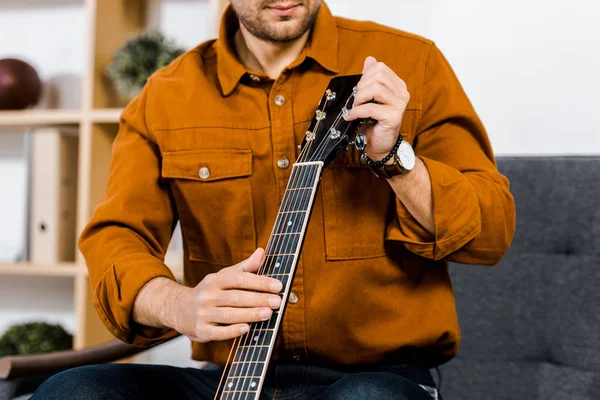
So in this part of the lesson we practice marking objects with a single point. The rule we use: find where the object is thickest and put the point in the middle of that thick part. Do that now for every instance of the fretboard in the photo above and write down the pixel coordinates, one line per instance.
(244, 375)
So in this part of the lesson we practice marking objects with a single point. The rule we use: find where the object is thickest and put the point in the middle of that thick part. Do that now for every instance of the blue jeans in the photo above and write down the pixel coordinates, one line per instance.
(284, 381)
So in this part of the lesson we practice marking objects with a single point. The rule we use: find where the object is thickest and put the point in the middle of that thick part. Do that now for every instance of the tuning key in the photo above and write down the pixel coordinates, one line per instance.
(330, 95)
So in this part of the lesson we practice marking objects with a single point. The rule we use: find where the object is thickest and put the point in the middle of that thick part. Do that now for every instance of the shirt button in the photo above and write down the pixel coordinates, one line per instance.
(293, 298)
(204, 173)
(283, 163)
(279, 100)
(254, 78)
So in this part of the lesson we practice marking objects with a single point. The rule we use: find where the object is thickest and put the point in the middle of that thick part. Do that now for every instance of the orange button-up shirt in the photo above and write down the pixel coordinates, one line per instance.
(206, 143)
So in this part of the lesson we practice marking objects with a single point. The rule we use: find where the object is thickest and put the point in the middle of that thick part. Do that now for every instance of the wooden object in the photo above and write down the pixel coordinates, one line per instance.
(109, 24)
(47, 364)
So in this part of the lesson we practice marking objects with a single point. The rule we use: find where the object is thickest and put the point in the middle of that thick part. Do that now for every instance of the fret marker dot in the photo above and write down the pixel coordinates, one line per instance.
(277, 265)
(230, 385)
(289, 223)
(256, 338)
(253, 384)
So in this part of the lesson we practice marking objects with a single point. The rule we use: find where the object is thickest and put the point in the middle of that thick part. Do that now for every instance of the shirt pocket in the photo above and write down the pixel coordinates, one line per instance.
(356, 208)
(213, 194)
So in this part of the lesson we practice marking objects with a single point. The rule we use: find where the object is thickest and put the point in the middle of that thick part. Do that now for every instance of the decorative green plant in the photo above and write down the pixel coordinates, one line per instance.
(34, 338)
(138, 59)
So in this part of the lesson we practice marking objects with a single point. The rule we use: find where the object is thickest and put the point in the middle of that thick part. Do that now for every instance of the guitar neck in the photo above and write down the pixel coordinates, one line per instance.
(243, 377)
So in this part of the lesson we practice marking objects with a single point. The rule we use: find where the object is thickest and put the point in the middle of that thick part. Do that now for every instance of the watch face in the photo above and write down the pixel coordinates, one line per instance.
(406, 155)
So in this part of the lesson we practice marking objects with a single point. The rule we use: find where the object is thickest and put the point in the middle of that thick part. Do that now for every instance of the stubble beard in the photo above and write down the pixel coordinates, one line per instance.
(262, 30)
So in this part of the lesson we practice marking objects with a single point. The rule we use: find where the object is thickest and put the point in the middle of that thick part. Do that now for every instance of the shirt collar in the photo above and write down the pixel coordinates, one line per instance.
(322, 47)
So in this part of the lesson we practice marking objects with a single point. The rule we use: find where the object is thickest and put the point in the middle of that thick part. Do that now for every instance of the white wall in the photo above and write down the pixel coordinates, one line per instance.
(530, 69)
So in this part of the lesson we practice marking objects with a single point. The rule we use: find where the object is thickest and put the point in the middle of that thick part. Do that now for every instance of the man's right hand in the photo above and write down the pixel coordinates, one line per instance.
(220, 307)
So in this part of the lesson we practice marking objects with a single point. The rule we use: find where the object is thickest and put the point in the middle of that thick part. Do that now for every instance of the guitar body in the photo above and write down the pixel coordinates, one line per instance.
(327, 136)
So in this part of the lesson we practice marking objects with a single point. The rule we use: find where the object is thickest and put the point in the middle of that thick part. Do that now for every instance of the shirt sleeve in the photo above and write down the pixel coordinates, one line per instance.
(125, 242)
(473, 208)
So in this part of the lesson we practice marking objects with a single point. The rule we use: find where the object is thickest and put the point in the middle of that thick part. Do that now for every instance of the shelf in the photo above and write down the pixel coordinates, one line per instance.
(35, 269)
(106, 115)
(33, 118)
(36, 118)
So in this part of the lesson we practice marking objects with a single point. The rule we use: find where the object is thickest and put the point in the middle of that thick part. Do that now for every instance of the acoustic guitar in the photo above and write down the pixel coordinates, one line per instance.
(327, 136)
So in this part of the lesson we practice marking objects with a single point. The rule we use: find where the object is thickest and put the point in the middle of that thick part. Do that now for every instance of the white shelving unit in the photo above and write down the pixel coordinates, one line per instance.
(109, 24)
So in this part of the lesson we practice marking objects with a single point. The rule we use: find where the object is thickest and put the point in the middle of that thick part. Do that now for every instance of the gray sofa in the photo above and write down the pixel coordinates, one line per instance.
(531, 324)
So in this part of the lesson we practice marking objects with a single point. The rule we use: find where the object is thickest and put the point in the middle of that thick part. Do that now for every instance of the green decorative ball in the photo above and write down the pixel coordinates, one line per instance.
(138, 59)
(34, 338)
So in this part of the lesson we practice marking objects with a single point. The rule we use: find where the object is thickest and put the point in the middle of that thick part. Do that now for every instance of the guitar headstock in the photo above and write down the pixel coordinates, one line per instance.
(329, 133)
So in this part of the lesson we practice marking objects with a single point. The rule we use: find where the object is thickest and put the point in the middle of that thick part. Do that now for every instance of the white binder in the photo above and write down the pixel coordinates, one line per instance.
(53, 192)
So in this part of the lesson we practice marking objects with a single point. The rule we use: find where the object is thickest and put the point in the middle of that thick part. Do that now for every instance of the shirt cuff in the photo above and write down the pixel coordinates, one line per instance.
(115, 295)
(456, 214)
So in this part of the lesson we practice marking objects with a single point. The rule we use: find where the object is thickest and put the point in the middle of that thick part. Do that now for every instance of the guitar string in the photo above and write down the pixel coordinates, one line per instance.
(223, 375)
(302, 157)
(281, 242)
(271, 257)
(320, 151)
(283, 223)
(282, 245)
(321, 148)
(251, 349)
(272, 246)
(294, 198)
(266, 266)
(324, 100)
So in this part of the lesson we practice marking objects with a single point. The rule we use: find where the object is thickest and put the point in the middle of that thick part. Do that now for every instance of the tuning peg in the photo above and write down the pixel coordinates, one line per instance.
(360, 142)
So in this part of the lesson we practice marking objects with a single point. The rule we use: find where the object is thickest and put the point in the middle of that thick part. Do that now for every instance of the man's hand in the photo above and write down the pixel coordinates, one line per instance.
(220, 307)
(382, 96)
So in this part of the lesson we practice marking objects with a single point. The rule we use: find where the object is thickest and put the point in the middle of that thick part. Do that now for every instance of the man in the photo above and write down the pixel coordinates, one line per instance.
(210, 142)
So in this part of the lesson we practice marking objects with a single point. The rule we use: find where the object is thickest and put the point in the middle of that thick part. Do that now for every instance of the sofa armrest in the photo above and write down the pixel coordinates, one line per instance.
(48, 364)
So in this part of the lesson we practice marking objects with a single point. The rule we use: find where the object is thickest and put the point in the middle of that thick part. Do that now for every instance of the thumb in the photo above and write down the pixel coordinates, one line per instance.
(369, 62)
(252, 263)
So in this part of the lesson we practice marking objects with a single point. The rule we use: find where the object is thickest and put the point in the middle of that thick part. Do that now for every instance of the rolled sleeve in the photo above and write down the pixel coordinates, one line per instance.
(473, 209)
(124, 243)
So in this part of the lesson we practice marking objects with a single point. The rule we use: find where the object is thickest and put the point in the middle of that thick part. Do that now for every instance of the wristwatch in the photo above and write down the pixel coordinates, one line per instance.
(404, 161)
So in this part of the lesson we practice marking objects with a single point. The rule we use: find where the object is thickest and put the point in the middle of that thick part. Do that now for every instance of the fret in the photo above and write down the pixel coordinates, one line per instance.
(308, 188)
(292, 212)
(296, 201)
(292, 223)
(254, 353)
(247, 394)
(287, 245)
(263, 328)
(247, 369)
(242, 383)
(276, 265)
(259, 338)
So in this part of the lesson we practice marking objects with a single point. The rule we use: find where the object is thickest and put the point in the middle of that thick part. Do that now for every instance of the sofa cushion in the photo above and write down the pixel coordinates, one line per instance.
(531, 325)
(507, 380)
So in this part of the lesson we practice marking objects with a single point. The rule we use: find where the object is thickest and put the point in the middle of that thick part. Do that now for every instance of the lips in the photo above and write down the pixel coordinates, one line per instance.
(283, 9)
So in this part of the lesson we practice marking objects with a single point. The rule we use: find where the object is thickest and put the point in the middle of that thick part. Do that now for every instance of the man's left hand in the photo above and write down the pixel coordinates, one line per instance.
(382, 96)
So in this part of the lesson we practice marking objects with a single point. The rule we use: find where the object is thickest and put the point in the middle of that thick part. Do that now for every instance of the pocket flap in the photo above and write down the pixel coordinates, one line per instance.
(206, 165)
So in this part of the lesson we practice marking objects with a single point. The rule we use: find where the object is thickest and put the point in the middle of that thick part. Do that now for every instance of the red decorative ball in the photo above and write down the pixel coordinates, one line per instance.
(20, 85)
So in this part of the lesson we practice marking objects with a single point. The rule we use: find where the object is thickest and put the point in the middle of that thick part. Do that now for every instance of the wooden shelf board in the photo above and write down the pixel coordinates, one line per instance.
(106, 115)
(33, 118)
(36, 269)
